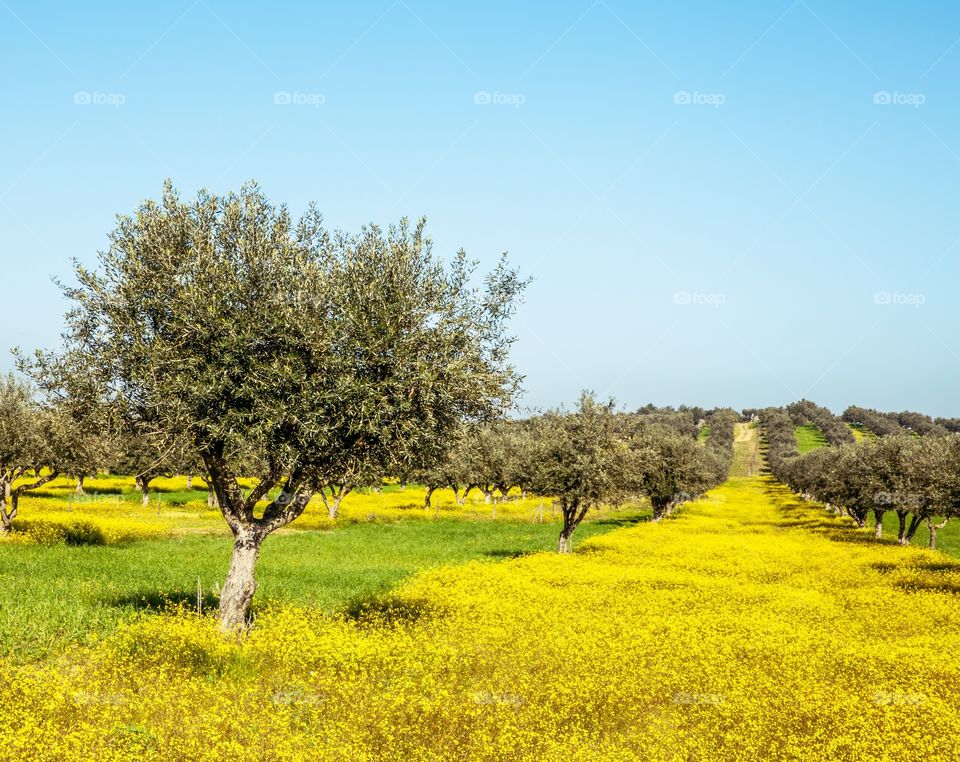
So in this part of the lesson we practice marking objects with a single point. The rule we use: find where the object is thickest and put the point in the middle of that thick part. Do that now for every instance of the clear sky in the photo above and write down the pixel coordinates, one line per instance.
(738, 203)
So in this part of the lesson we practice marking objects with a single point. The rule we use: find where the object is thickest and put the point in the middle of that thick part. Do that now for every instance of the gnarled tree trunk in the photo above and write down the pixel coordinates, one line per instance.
(901, 527)
(332, 502)
(143, 484)
(79, 489)
(573, 514)
(933, 530)
(7, 516)
(240, 585)
(248, 530)
(907, 531)
(659, 508)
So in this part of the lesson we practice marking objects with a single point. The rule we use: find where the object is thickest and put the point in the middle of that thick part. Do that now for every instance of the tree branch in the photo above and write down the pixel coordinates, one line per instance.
(266, 483)
(34, 485)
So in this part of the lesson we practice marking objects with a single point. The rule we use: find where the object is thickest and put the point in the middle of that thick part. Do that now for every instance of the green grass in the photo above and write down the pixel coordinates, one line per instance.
(861, 433)
(948, 538)
(54, 595)
(809, 437)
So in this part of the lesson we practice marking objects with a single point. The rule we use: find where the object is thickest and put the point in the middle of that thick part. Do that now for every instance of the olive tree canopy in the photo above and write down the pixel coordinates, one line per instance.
(263, 339)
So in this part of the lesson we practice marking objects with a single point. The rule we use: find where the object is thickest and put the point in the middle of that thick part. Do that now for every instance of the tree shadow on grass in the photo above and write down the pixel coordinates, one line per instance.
(504, 553)
(374, 610)
(166, 600)
(929, 585)
(621, 521)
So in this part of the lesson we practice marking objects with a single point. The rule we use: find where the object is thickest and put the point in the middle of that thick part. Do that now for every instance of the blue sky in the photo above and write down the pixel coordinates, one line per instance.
(721, 204)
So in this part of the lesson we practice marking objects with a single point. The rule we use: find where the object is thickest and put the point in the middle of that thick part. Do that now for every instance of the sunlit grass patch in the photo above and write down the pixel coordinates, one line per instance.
(809, 437)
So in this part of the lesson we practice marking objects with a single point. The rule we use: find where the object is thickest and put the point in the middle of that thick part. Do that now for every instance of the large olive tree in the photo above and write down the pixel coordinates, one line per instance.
(263, 339)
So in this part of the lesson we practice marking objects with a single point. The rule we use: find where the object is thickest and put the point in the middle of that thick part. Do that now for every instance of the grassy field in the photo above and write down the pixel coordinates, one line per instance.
(809, 437)
(751, 626)
(79, 566)
(860, 433)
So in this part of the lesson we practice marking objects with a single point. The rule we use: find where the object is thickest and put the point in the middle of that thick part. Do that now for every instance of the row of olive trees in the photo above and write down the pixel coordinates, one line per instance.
(778, 438)
(42, 439)
(884, 424)
(223, 337)
(587, 457)
(835, 431)
(917, 478)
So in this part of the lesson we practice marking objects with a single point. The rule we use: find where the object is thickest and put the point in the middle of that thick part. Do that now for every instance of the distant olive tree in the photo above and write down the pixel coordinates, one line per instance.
(675, 468)
(252, 335)
(38, 441)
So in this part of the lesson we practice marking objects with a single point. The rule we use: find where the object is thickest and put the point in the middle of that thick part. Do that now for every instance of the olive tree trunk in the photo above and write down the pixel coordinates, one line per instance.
(11, 496)
(908, 531)
(878, 528)
(248, 530)
(659, 508)
(7, 516)
(333, 500)
(933, 530)
(143, 484)
(901, 527)
(573, 514)
(240, 584)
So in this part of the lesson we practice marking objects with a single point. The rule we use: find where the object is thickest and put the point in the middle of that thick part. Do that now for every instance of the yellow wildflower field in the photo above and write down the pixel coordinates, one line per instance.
(751, 626)
(111, 513)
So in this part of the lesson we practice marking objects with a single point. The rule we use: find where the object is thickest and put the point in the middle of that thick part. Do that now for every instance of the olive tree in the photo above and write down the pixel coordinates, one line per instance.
(38, 442)
(486, 452)
(257, 337)
(146, 455)
(449, 469)
(675, 468)
(584, 461)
